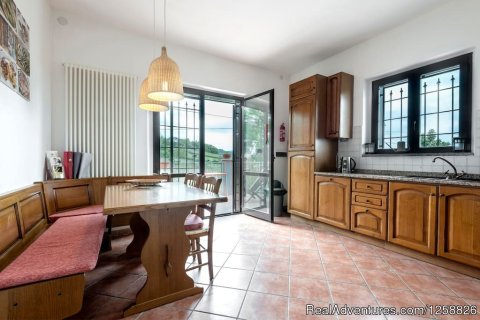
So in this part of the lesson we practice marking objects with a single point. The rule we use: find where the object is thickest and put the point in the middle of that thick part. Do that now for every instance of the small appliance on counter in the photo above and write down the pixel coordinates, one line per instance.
(348, 165)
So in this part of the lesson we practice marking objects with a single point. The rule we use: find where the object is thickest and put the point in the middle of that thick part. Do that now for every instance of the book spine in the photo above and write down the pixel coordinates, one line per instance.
(68, 163)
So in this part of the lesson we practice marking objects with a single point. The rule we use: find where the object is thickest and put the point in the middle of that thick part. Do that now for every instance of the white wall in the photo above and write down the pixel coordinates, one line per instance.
(25, 125)
(91, 44)
(447, 31)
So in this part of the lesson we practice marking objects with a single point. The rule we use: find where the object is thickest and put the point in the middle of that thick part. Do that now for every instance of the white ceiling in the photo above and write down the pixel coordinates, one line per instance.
(281, 35)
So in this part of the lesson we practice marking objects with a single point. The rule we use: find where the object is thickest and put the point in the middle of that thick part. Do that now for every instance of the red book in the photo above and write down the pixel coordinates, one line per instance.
(68, 164)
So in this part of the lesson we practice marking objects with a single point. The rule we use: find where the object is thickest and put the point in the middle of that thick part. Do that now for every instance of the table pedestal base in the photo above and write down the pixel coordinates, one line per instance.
(140, 307)
(164, 252)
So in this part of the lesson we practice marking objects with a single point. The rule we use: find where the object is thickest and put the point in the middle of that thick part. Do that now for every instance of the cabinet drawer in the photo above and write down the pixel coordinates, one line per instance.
(303, 88)
(370, 186)
(369, 200)
(370, 222)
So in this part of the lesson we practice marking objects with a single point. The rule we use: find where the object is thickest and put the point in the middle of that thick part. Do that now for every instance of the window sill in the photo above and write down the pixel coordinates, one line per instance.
(406, 154)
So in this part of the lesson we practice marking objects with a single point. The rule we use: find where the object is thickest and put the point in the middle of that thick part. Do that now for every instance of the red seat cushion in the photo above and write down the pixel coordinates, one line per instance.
(193, 222)
(70, 246)
(77, 212)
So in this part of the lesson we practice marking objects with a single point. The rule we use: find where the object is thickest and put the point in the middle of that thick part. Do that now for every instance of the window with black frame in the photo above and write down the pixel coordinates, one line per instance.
(424, 110)
(179, 134)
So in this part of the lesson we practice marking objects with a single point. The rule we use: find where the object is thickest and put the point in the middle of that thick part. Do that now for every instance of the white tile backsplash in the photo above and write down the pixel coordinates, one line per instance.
(353, 148)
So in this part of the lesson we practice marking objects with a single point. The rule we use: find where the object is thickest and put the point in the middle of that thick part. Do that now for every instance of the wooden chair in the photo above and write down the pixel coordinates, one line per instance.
(213, 185)
(193, 179)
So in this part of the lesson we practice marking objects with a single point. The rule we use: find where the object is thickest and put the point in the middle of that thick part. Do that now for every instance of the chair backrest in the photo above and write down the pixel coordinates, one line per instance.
(211, 184)
(193, 179)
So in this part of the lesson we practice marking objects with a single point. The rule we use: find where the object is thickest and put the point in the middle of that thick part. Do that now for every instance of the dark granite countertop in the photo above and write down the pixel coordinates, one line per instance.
(404, 176)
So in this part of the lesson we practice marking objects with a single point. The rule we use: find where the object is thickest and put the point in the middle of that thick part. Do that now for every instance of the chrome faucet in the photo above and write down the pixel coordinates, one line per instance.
(453, 175)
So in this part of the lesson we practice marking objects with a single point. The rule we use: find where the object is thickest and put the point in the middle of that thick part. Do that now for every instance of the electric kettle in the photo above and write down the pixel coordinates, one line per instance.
(348, 164)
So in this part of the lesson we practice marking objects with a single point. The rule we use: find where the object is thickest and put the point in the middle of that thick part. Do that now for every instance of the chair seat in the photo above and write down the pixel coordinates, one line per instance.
(193, 222)
(203, 230)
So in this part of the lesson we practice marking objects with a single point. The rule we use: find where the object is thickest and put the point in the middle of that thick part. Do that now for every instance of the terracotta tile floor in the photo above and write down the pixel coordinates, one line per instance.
(271, 271)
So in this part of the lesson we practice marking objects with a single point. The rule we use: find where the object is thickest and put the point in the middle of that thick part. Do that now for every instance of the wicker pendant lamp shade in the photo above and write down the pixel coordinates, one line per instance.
(148, 104)
(164, 79)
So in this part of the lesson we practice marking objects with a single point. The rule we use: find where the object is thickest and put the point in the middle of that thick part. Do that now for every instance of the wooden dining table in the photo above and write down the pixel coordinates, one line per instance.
(159, 236)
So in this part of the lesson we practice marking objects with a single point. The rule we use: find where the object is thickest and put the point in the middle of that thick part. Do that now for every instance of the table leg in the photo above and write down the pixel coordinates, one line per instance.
(164, 255)
(140, 234)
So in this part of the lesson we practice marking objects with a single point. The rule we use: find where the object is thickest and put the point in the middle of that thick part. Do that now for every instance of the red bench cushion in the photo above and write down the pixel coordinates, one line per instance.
(77, 212)
(70, 246)
(193, 222)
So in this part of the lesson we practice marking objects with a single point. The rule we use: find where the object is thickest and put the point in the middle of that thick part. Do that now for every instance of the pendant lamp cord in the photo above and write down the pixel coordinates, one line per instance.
(164, 23)
(154, 25)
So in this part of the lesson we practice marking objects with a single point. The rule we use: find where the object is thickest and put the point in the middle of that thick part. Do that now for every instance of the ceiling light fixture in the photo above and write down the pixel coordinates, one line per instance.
(145, 102)
(148, 104)
(164, 79)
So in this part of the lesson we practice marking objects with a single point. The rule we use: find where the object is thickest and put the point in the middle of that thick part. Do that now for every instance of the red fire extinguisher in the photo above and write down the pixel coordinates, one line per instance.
(282, 132)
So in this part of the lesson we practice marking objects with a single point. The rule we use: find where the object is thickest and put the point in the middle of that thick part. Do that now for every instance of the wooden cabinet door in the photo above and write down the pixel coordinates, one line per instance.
(412, 215)
(302, 124)
(368, 221)
(459, 225)
(333, 106)
(303, 88)
(300, 183)
(332, 201)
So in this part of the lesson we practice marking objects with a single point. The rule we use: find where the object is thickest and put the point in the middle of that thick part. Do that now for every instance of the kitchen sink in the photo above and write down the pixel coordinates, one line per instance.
(425, 177)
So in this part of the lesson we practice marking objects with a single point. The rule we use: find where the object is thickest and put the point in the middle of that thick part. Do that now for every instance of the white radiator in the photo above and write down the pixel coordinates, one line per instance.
(100, 118)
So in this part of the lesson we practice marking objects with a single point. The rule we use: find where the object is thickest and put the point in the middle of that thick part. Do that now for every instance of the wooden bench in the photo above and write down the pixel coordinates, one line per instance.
(50, 235)
(42, 265)
(61, 195)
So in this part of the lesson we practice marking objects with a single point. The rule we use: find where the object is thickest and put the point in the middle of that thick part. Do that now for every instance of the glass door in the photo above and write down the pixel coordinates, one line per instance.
(257, 155)
(219, 147)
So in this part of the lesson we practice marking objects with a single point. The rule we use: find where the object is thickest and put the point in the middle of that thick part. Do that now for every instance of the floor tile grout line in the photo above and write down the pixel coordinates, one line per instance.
(212, 313)
(399, 275)
(244, 297)
(289, 273)
(366, 283)
(456, 295)
(326, 279)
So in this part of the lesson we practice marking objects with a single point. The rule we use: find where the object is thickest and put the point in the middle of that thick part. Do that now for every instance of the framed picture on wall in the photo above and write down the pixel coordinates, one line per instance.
(23, 84)
(8, 71)
(23, 57)
(9, 10)
(23, 30)
(14, 49)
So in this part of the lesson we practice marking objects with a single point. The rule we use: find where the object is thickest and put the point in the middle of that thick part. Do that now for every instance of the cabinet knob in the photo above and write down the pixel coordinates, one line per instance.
(331, 179)
(433, 194)
(369, 187)
(367, 201)
(441, 195)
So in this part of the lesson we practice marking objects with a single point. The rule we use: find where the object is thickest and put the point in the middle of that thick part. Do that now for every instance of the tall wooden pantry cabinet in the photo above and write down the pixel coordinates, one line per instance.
(309, 150)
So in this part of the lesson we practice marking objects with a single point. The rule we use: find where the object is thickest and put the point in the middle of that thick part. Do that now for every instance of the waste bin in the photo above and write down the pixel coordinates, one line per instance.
(278, 193)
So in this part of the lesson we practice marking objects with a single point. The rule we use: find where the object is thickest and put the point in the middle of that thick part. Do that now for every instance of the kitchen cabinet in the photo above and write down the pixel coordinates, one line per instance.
(369, 205)
(300, 183)
(302, 124)
(370, 186)
(370, 222)
(306, 87)
(369, 200)
(332, 201)
(412, 216)
(308, 148)
(339, 106)
(459, 224)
